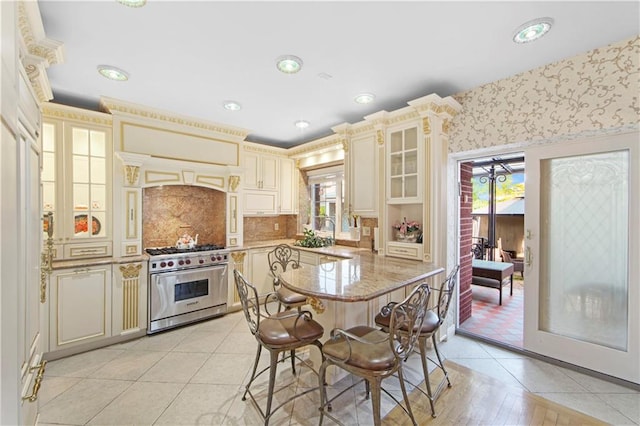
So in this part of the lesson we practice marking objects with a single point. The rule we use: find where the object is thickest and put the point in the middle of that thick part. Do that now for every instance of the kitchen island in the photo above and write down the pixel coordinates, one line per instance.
(364, 276)
(351, 291)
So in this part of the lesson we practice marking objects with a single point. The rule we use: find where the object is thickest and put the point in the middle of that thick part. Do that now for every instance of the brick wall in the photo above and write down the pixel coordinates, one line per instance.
(466, 229)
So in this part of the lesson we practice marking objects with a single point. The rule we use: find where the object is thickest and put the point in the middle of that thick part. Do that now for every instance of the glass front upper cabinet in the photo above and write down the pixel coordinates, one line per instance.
(403, 163)
(76, 177)
(88, 182)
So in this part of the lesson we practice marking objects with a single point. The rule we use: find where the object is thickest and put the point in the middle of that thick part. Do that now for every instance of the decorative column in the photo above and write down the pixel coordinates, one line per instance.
(130, 291)
(232, 202)
(130, 204)
(238, 263)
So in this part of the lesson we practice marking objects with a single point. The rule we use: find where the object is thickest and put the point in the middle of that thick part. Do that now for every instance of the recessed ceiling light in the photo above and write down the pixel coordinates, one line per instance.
(289, 64)
(532, 30)
(301, 124)
(364, 98)
(232, 105)
(113, 73)
(133, 3)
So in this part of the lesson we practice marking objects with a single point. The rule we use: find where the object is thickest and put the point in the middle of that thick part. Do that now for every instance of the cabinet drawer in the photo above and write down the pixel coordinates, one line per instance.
(406, 250)
(85, 250)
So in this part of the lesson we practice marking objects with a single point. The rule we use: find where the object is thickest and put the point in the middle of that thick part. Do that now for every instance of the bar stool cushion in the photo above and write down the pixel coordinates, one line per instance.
(431, 322)
(288, 297)
(278, 331)
(376, 357)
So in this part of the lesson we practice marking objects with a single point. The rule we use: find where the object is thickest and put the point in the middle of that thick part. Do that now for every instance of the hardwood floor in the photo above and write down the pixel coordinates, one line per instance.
(476, 399)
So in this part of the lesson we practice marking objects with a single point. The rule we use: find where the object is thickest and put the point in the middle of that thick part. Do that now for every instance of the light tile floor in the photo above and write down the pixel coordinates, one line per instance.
(195, 375)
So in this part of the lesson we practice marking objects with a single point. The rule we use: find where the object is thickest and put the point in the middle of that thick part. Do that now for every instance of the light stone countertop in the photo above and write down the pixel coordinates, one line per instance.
(360, 277)
(96, 261)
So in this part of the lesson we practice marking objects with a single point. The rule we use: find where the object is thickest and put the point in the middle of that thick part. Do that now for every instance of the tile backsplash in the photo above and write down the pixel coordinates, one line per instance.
(261, 228)
(173, 210)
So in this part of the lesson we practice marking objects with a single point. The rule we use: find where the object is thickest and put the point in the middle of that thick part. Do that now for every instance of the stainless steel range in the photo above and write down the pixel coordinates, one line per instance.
(186, 285)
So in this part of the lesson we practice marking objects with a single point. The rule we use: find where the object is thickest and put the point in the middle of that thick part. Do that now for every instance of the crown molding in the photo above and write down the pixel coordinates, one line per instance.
(65, 112)
(37, 52)
(118, 107)
(264, 149)
(326, 144)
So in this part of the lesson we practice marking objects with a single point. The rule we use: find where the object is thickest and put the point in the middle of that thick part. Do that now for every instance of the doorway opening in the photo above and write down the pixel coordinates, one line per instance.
(492, 237)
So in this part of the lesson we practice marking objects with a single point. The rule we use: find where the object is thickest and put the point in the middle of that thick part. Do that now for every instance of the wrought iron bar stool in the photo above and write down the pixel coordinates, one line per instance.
(373, 354)
(434, 318)
(280, 259)
(280, 332)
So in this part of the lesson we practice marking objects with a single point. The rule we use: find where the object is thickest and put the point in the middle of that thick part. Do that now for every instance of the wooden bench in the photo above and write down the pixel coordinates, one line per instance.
(490, 274)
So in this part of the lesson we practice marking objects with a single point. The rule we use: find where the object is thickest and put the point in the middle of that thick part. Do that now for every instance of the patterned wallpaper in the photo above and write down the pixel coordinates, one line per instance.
(584, 95)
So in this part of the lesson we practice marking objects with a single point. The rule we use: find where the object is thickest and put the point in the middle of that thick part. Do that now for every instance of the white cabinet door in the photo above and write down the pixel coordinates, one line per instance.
(260, 277)
(269, 167)
(80, 309)
(362, 175)
(288, 186)
(251, 172)
(261, 171)
(260, 202)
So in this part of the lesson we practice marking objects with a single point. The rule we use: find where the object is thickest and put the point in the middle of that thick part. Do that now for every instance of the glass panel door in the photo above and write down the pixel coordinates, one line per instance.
(580, 242)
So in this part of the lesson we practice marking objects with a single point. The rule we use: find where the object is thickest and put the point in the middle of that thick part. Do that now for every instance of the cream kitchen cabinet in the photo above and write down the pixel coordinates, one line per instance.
(259, 274)
(261, 171)
(404, 194)
(79, 306)
(288, 187)
(260, 202)
(404, 166)
(362, 175)
(77, 180)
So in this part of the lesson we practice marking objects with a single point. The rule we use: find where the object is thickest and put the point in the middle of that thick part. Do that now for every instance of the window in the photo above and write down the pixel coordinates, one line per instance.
(326, 188)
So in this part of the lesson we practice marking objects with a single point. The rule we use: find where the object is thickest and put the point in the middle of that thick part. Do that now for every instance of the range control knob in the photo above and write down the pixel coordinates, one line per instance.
(219, 258)
(201, 260)
(188, 261)
(170, 263)
(180, 262)
(163, 264)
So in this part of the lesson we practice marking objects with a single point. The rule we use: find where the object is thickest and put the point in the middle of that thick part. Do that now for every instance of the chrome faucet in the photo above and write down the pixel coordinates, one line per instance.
(333, 240)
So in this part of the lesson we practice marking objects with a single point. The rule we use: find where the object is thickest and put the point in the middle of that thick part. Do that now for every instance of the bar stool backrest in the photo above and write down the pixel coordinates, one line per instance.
(249, 301)
(281, 258)
(446, 293)
(406, 320)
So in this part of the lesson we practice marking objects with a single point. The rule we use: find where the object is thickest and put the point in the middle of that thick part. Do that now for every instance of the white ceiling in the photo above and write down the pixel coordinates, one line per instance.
(188, 57)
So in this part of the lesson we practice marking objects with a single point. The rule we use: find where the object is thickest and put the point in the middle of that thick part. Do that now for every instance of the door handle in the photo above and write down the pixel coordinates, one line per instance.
(529, 257)
(38, 382)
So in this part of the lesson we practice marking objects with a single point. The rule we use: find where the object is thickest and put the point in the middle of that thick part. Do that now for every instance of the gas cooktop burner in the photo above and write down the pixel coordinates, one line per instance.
(174, 250)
